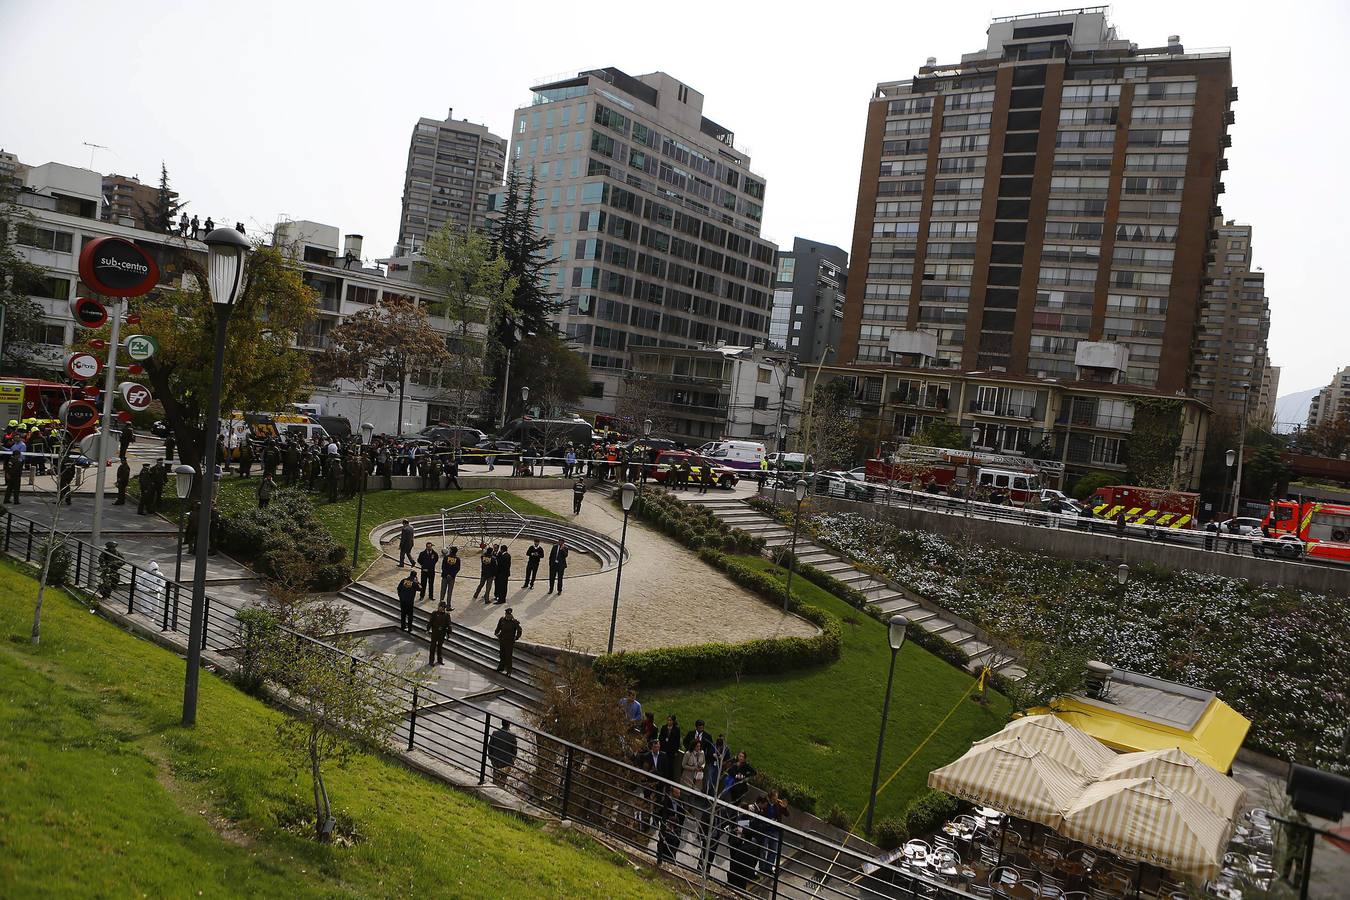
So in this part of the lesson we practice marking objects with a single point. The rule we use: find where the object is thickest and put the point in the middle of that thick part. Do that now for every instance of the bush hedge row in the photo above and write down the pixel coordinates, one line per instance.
(925, 814)
(798, 796)
(693, 526)
(282, 539)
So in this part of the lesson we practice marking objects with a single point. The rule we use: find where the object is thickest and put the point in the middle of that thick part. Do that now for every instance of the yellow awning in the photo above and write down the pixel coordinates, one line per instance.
(1214, 739)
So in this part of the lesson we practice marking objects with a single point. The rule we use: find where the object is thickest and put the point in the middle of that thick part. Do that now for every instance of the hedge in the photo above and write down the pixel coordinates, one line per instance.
(798, 796)
(681, 665)
(693, 526)
(928, 812)
(275, 538)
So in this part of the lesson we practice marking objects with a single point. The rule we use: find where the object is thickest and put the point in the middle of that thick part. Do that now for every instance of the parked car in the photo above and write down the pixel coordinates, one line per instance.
(159, 428)
(723, 476)
(468, 437)
(1244, 524)
(843, 484)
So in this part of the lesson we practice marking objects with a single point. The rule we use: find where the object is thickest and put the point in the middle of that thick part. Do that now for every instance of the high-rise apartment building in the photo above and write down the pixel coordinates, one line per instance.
(1041, 207)
(654, 217)
(124, 197)
(808, 300)
(1332, 402)
(1230, 351)
(1264, 416)
(453, 165)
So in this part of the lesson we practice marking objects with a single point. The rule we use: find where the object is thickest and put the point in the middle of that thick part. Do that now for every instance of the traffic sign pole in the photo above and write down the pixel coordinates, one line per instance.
(100, 477)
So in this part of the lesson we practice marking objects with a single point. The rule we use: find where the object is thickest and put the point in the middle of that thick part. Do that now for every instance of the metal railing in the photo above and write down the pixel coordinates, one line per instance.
(703, 837)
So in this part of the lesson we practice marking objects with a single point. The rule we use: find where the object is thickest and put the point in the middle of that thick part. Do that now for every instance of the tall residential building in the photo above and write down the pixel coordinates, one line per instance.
(1264, 415)
(1041, 207)
(808, 300)
(124, 197)
(11, 170)
(452, 167)
(654, 217)
(1231, 355)
(1332, 402)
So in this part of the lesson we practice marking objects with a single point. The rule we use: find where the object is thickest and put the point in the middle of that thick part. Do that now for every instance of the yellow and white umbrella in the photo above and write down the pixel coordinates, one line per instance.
(1145, 820)
(1181, 772)
(1013, 777)
(1059, 740)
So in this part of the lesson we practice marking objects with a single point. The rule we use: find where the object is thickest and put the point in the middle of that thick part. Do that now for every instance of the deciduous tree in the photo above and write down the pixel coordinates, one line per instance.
(18, 277)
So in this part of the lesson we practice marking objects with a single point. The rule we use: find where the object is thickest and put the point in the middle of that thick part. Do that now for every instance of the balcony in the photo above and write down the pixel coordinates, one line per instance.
(919, 400)
(1099, 422)
(1008, 411)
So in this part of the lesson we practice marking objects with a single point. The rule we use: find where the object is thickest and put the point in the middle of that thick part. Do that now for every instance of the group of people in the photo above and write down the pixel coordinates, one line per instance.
(39, 445)
(196, 229)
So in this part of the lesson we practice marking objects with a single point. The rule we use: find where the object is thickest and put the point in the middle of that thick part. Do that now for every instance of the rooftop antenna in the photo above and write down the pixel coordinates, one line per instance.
(92, 148)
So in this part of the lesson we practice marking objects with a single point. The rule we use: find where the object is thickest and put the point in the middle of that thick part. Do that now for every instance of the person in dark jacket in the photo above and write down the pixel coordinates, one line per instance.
(670, 822)
(13, 475)
(406, 537)
(487, 570)
(439, 626)
(407, 600)
(669, 736)
(503, 572)
(578, 494)
(508, 631)
(557, 565)
(128, 437)
(533, 555)
(266, 488)
(170, 446)
(450, 564)
(123, 481)
(427, 560)
(501, 752)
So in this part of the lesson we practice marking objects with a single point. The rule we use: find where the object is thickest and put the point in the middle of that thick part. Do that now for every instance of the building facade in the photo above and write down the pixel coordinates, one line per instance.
(654, 219)
(125, 197)
(453, 165)
(1231, 356)
(1053, 189)
(808, 300)
(1332, 402)
(1264, 415)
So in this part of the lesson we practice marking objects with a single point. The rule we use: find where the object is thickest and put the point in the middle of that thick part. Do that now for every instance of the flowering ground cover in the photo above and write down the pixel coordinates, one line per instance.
(1279, 656)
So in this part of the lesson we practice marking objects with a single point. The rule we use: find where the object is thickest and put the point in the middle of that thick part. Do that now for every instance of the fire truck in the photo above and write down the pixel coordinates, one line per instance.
(1320, 529)
(1017, 477)
(1146, 506)
(32, 401)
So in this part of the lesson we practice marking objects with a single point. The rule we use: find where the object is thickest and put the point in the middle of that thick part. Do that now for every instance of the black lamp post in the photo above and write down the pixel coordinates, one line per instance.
(799, 491)
(627, 494)
(895, 636)
(227, 250)
(367, 432)
(182, 484)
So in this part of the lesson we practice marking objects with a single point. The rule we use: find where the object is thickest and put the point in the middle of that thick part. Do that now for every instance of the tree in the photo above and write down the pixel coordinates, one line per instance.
(639, 399)
(161, 214)
(1054, 669)
(1330, 437)
(941, 432)
(555, 373)
(1084, 487)
(387, 342)
(262, 371)
(18, 277)
(831, 439)
(1153, 441)
(462, 266)
(1265, 472)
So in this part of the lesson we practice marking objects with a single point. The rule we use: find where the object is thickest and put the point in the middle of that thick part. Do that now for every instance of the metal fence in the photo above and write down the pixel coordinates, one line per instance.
(701, 838)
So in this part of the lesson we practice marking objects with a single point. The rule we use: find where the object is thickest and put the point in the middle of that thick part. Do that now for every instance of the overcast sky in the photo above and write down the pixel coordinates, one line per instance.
(305, 109)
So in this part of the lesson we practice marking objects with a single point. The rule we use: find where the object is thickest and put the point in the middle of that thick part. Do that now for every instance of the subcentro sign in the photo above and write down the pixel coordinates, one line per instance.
(117, 268)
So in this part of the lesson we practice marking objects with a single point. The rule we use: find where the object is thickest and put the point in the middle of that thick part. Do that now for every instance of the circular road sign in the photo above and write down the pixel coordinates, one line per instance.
(83, 366)
(79, 416)
(123, 416)
(135, 396)
(141, 347)
(117, 268)
(89, 312)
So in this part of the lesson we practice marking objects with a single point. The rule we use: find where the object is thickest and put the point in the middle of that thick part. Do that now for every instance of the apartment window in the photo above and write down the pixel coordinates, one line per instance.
(964, 143)
(889, 209)
(952, 229)
(909, 105)
(1090, 93)
(965, 122)
(947, 208)
(895, 229)
(944, 186)
(1151, 185)
(1089, 115)
(1142, 256)
(973, 100)
(954, 164)
(1108, 451)
(1083, 162)
(1071, 184)
(1160, 115)
(904, 167)
(1068, 140)
(886, 291)
(896, 127)
(1168, 137)
(44, 238)
(1073, 231)
(884, 312)
(358, 294)
(51, 287)
(1165, 90)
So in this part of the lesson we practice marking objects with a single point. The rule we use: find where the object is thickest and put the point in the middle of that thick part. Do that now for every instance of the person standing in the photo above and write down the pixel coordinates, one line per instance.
(449, 572)
(508, 631)
(170, 446)
(669, 736)
(439, 626)
(705, 480)
(578, 493)
(407, 600)
(693, 763)
(503, 572)
(569, 462)
(501, 752)
(534, 554)
(452, 472)
(557, 566)
(196, 227)
(670, 822)
(67, 481)
(245, 457)
(427, 560)
(13, 475)
(123, 481)
(266, 487)
(210, 226)
(406, 537)
(631, 708)
(128, 437)
(183, 225)
(487, 570)
(110, 563)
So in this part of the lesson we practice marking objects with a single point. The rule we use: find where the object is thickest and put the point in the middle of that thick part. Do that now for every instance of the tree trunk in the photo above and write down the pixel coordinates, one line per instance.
(184, 419)
(316, 777)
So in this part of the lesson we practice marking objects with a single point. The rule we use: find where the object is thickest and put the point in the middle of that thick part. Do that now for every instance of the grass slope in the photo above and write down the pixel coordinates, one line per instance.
(103, 793)
(818, 727)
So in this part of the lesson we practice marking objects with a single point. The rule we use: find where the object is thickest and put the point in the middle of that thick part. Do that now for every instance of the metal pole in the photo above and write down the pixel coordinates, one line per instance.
(109, 382)
(360, 508)
(881, 739)
(618, 577)
(792, 561)
(506, 384)
(178, 560)
(206, 494)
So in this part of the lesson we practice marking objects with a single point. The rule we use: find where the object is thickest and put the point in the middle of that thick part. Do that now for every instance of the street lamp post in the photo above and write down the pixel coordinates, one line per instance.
(627, 494)
(367, 432)
(1242, 446)
(227, 250)
(182, 484)
(895, 636)
(799, 491)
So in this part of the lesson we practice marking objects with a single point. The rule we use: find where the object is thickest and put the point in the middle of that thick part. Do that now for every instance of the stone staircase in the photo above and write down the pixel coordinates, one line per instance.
(883, 595)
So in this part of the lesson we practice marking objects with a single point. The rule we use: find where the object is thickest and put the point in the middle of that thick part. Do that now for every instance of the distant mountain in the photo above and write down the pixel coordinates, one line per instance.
(1292, 409)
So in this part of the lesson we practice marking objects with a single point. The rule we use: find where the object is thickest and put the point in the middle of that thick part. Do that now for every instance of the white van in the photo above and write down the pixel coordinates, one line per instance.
(1017, 486)
(744, 455)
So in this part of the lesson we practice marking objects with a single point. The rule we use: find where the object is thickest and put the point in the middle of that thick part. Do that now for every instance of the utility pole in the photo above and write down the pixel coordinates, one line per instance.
(782, 402)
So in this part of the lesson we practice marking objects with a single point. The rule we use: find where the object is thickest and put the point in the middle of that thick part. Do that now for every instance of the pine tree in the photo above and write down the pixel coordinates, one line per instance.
(162, 213)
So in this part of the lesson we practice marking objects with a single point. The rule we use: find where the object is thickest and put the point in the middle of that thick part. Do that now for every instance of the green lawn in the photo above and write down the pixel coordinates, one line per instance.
(103, 793)
(818, 727)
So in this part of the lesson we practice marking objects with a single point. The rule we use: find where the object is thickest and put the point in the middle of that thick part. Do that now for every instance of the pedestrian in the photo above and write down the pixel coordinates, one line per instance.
(149, 584)
(693, 763)
(503, 572)
(427, 560)
(196, 228)
(13, 475)
(266, 487)
(183, 225)
(1120, 524)
(209, 225)
(439, 626)
(127, 438)
(487, 563)
(508, 631)
(578, 492)
(406, 537)
(670, 822)
(775, 809)
(123, 481)
(557, 566)
(736, 780)
(170, 446)
(449, 572)
(452, 472)
(245, 457)
(648, 729)
(631, 708)
(110, 563)
(501, 752)
(569, 462)
(719, 759)
(407, 600)
(534, 554)
(741, 848)
(706, 481)
(1231, 527)
(66, 481)
(669, 736)
(190, 528)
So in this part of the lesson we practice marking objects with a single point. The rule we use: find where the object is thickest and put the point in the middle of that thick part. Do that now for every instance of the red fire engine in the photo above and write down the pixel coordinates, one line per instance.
(1019, 478)
(1322, 529)
(1146, 506)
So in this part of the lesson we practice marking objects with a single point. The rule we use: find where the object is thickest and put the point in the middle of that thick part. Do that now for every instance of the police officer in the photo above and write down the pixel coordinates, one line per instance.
(13, 474)
(439, 626)
(123, 480)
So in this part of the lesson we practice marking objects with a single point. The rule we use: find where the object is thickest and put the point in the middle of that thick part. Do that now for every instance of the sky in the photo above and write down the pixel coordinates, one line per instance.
(299, 109)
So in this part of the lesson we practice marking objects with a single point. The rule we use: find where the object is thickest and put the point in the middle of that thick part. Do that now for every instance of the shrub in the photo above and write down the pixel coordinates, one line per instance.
(58, 572)
(693, 526)
(838, 818)
(928, 812)
(798, 796)
(889, 833)
(285, 541)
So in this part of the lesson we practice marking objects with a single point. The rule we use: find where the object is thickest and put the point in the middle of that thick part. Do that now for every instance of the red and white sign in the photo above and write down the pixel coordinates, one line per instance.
(88, 312)
(136, 396)
(116, 267)
(83, 366)
(79, 416)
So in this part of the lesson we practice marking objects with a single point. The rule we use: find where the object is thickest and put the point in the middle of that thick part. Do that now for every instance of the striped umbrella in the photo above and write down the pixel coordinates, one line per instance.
(1144, 819)
(1059, 740)
(1012, 777)
(1183, 773)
